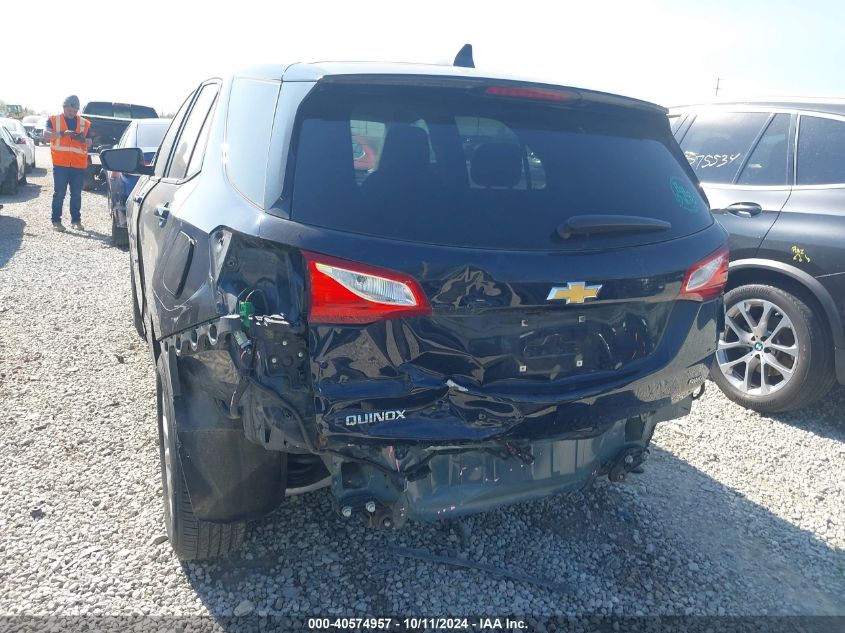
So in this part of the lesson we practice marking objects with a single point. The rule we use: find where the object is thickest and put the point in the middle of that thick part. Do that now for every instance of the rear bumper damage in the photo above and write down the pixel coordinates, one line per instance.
(457, 481)
(251, 374)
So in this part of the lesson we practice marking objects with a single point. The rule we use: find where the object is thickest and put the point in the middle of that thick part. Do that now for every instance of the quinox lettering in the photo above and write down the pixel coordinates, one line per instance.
(376, 416)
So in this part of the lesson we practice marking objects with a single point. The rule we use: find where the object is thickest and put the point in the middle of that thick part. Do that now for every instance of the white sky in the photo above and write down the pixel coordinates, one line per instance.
(154, 52)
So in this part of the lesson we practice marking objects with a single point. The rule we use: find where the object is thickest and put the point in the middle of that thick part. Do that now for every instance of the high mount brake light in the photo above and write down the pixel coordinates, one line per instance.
(346, 292)
(538, 94)
(707, 279)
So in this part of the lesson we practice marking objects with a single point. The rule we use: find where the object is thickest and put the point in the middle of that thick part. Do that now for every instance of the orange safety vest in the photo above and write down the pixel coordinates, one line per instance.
(65, 151)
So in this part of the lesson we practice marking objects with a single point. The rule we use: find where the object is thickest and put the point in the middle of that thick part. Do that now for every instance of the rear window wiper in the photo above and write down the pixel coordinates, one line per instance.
(592, 224)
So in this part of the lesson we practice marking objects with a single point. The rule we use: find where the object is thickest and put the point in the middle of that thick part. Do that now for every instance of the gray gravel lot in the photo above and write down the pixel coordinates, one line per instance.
(736, 513)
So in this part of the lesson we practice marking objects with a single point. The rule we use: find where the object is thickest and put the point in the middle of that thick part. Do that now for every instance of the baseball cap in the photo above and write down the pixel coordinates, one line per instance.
(71, 101)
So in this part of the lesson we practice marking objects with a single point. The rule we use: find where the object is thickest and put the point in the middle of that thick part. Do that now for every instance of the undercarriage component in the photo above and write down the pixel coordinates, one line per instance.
(455, 481)
(628, 460)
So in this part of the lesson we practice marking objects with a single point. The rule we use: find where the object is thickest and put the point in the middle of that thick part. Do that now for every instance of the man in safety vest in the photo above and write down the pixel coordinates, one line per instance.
(70, 137)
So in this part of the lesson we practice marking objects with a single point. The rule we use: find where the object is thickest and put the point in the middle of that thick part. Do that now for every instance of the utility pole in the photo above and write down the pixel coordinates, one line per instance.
(718, 79)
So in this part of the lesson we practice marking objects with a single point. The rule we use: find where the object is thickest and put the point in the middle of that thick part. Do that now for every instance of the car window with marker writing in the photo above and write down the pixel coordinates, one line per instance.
(717, 144)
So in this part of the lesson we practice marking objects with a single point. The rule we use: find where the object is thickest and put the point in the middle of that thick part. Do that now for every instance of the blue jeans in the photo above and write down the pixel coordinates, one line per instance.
(62, 177)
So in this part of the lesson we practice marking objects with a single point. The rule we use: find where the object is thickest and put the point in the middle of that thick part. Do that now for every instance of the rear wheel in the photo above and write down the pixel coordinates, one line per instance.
(190, 538)
(774, 354)
(9, 186)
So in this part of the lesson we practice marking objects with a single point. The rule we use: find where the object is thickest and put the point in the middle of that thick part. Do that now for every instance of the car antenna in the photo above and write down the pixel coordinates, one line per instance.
(464, 57)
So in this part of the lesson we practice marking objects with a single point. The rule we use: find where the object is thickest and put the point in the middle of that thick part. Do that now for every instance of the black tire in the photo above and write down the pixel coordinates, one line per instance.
(812, 367)
(190, 538)
(119, 234)
(9, 186)
(137, 318)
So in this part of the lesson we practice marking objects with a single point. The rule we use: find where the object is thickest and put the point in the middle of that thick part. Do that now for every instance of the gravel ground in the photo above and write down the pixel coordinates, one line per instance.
(736, 513)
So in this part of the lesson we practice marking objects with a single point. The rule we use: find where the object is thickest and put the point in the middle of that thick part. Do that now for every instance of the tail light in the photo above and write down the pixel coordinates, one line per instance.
(343, 292)
(707, 278)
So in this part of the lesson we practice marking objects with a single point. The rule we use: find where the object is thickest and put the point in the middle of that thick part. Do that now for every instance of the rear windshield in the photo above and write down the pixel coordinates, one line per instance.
(120, 110)
(150, 135)
(461, 168)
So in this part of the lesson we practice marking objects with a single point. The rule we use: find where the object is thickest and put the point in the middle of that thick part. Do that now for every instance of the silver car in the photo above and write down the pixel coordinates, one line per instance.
(21, 138)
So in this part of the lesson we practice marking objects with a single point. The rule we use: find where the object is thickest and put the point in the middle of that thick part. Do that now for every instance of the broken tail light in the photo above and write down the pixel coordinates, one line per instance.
(343, 291)
(707, 278)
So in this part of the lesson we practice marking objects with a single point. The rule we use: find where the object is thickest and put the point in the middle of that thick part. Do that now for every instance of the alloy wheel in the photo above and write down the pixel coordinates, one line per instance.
(758, 352)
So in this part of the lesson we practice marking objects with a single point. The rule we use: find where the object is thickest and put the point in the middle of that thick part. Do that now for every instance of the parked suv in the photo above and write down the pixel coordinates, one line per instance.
(143, 133)
(433, 334)
(774, 172)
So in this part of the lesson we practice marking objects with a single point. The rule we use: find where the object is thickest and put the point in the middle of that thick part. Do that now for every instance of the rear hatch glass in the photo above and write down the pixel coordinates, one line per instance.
(120, 110)
(461, 167)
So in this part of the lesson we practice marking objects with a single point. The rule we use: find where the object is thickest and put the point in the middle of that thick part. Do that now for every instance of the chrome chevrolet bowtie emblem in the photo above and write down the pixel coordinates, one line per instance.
(574, 292)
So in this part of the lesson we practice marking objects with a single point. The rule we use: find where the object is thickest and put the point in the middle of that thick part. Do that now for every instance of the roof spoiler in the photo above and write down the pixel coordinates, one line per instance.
(464, 57)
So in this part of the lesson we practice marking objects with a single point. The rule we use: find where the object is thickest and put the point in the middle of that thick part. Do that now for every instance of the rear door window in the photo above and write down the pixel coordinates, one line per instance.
(717, 143)
(768, 163)
(821, 151)
(458, 167)
(170, 137)
(187, 140)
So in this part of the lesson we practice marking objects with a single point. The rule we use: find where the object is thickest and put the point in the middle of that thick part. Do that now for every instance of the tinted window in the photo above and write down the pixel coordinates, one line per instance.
(142, 112)
(195, 164)
(717, 143)
(767, 164)
(120, 110)
(150, 135)
(460, 168)
(190, 132)
(170, 137)
(250, 121)
(821, 151)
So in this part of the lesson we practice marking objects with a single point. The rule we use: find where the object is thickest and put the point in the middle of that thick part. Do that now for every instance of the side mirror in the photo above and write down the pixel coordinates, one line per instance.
(129, 160)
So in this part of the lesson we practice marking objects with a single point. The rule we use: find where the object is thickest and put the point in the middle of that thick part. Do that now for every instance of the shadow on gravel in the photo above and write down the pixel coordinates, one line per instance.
(671, 541)
(11, 234)
(825, 418)
(89, 234)
(38, 172)
(25, 193)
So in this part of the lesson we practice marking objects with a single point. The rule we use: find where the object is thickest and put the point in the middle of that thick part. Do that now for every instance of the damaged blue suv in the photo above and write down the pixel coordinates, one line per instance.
(498, 305)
